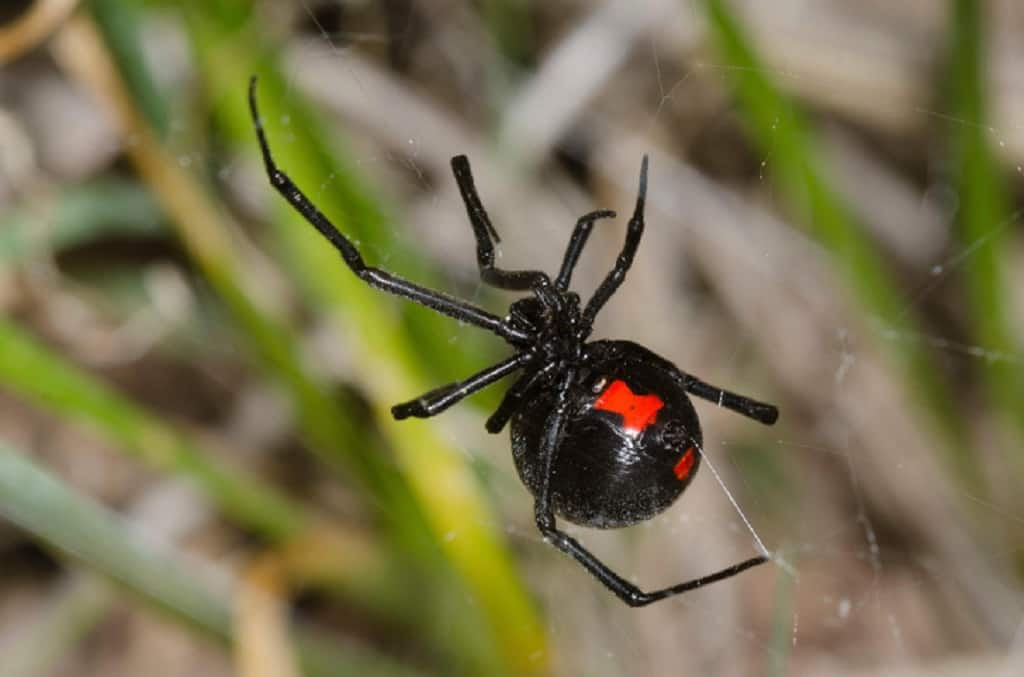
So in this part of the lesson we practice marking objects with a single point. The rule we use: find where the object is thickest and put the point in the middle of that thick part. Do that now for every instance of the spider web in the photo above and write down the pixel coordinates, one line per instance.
(870, 540)
(886, 556)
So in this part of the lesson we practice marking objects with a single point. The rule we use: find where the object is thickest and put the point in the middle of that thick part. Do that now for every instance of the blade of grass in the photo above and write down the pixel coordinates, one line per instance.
(48, 381)
(443, 482)
(513, 625)
(45, 379)
(389, 362)
(203, 230)
(783, 136)
(120, 29)
(86, 531)
(41, 505)
(984, 215)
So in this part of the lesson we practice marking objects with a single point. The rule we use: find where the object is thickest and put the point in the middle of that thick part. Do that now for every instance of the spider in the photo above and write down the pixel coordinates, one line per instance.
(603, 432)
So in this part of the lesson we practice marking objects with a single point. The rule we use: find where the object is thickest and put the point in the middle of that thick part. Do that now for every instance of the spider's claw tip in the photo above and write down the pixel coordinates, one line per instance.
(253, 108)
(408, 410)
(642, 192)
(769, 415)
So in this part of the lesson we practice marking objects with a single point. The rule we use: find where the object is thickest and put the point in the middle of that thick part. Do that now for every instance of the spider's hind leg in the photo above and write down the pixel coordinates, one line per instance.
(624, 590)
(759, 411)
(545, 517)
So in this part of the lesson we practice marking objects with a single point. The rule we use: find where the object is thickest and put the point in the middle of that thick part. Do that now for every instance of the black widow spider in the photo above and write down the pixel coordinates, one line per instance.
(603, 433)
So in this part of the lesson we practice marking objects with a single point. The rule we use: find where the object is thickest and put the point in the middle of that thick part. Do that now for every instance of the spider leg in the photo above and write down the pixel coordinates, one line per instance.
(375, 277)
(545, 516)
(514, 398)
(634, 231)
(759, 411)
(626, 591)
(576, 243)
(437, 400)
(484, 232)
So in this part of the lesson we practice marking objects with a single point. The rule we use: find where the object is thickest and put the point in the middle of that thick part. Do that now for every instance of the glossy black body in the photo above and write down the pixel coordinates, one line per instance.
(570, 403)
(605, 475)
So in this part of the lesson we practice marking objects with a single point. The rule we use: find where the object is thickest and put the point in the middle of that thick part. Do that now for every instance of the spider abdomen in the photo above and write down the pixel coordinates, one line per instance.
(630, 444)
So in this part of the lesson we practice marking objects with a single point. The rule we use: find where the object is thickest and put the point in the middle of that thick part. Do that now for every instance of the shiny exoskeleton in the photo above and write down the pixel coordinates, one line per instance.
(629, 441)
(603, 432)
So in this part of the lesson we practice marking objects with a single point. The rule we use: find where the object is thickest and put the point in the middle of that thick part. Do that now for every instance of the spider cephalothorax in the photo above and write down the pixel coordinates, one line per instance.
(603, 433)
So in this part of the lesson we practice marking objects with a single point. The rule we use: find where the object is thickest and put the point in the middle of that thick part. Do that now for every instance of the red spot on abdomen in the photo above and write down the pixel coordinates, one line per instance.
(638, 411)
(685, 464)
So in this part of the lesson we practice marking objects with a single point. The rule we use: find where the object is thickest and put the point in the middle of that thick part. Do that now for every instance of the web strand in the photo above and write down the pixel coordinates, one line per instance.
(739, 511)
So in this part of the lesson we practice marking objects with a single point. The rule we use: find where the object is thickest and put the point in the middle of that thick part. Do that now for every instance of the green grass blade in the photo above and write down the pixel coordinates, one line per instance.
(984, 214)
(41, 505)
(121, 29)
(88, 532)
(444, 499)
(204, 227)
(204, 231)
(442, 481)
(48, 381)
(783, 135)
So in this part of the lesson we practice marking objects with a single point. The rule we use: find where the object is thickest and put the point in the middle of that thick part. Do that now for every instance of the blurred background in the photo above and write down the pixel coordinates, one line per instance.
(198, 471)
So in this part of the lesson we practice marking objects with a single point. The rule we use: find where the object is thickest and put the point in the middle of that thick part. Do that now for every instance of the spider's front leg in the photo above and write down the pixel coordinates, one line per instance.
(437, 400)
(375, 277)
(634, 231)
(483, 230)
(516, 396)
(578, 240)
